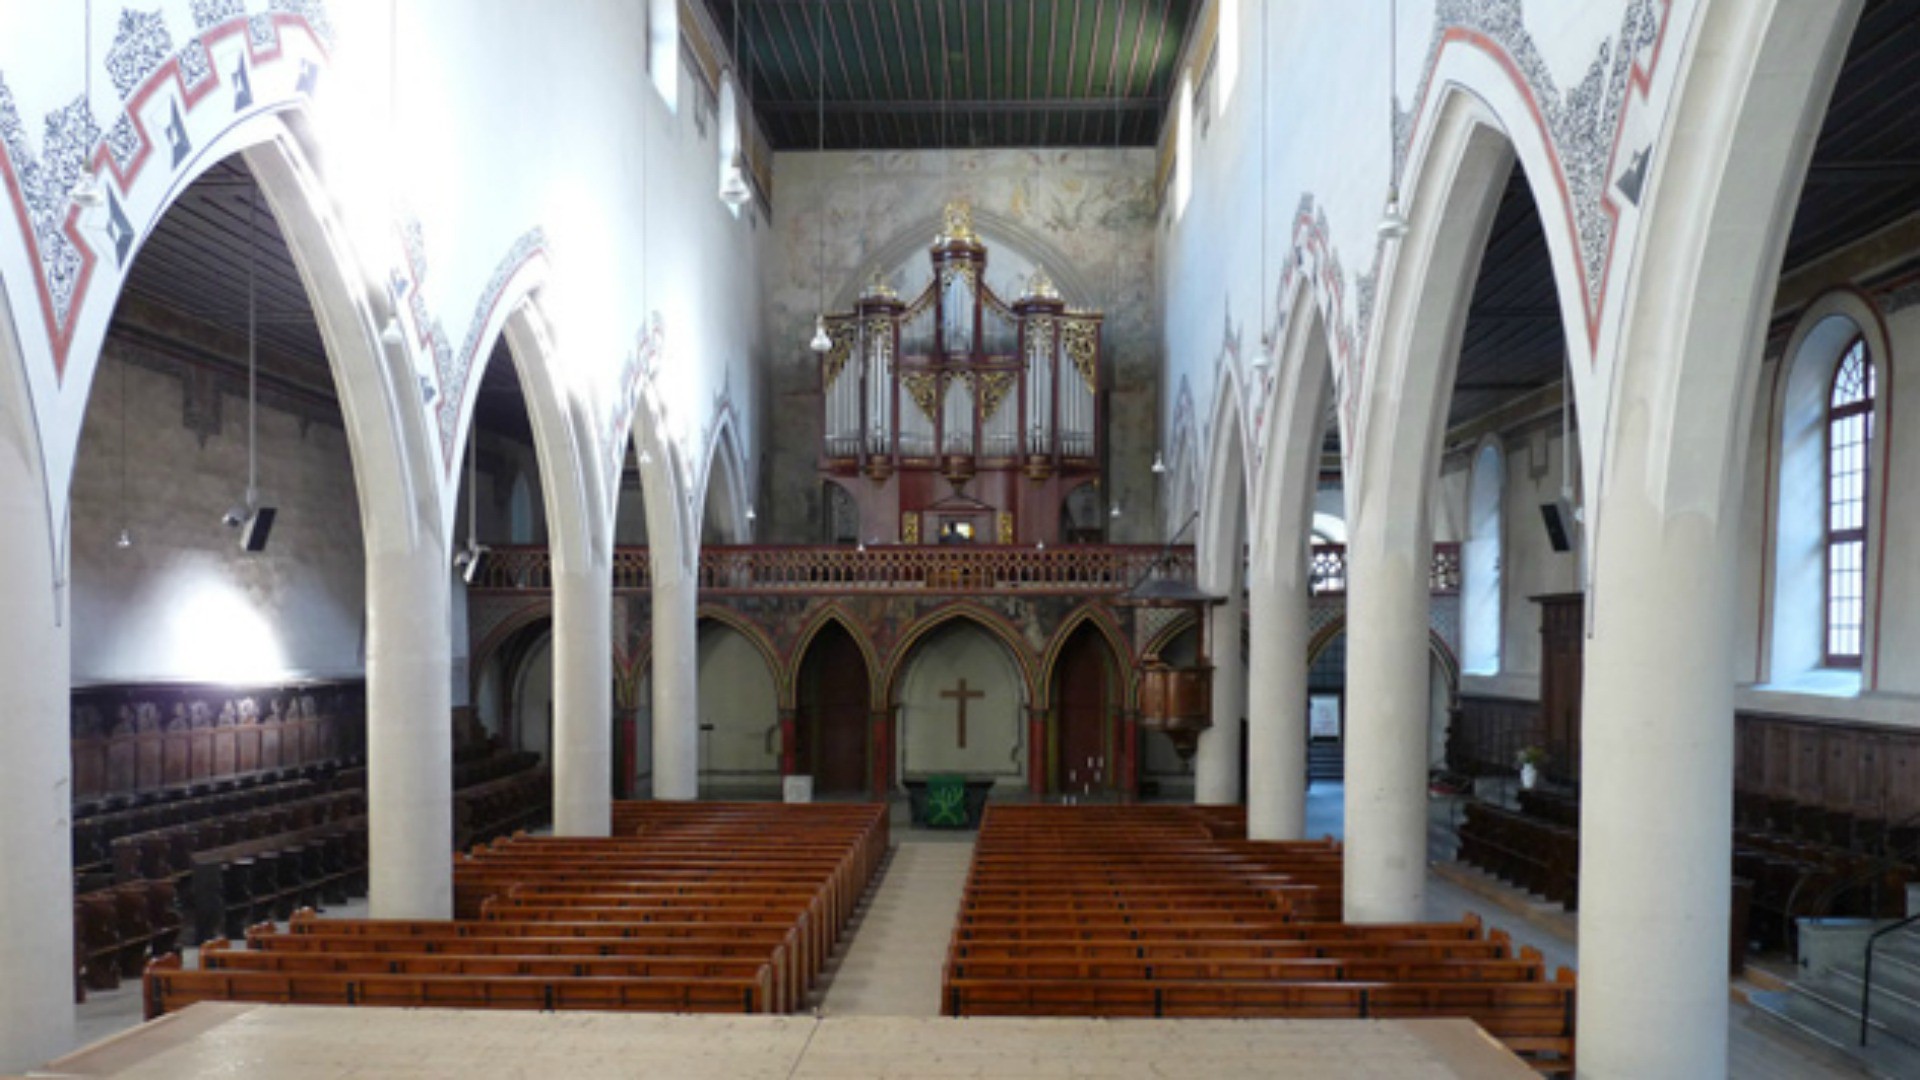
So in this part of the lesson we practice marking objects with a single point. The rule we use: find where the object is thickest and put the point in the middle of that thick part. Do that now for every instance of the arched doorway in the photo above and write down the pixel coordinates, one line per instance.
(739, 715)
(833, 710)
(1085, 700)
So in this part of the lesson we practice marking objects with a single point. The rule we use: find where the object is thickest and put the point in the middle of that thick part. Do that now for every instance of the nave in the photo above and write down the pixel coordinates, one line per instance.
(879, 999)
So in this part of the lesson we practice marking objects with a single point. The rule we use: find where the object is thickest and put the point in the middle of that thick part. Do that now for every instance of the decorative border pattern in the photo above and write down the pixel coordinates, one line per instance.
(142, 62)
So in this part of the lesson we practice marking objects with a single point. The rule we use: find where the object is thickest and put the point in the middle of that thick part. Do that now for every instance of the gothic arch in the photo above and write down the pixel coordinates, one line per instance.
(996, 231)
(996, 626)
(1436, 645)
(1101, 620)
(725, 478)
(1225, 499)
(789, 673)
(750, 630)
(1293, 412)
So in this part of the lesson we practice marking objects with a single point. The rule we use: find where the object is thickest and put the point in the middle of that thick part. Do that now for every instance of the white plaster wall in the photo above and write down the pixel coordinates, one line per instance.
(996, 741)
(1529, 565)
(184, 602)
(1085, 214)
(739, 701)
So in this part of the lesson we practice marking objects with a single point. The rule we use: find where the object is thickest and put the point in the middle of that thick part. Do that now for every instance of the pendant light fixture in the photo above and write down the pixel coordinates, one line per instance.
(253, 520)
(87, 194)
(391, 333)
(1263, 358)
(125, 539)
(733, 179)
(467, 560)
(822, 342)
(1393, 222)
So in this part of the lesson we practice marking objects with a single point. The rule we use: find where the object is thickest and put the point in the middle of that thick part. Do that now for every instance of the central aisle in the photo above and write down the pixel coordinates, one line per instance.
(899, 945)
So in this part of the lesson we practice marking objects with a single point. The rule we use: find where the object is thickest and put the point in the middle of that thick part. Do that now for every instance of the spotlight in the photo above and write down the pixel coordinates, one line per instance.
(1393, 223)
(467, 560)
(821, 342)
(124, 540)
(1115, 512)
(87, 194)
(1263, 359)
(733, 185)
(235, 516)
(750, 514)
(254, 530)
(1159, 466)
(391, 332)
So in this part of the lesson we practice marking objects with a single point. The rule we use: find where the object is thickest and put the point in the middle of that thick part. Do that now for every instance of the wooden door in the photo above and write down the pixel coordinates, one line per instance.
(1082, 703)
(833, 723)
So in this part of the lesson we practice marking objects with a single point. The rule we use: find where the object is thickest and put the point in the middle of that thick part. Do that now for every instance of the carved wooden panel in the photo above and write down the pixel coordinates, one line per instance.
(89, 767)
(1861, 769)
(249, 740)
(270, 746)
(202, 754)
(175, 758)
(146, 759)
(226, 752)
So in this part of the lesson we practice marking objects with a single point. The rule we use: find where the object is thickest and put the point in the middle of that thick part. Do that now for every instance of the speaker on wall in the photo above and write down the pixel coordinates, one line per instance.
(1558, 518)
(253, 533)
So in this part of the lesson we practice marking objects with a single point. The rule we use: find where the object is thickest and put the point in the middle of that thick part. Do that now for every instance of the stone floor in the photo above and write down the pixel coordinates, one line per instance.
(311, 1043)
(890, 968)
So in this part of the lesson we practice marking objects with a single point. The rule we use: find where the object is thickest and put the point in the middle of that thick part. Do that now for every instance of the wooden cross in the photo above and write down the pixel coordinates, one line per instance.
(960, 695)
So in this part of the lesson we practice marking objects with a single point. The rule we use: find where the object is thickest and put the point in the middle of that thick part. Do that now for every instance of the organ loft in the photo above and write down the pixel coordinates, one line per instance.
(959, 416)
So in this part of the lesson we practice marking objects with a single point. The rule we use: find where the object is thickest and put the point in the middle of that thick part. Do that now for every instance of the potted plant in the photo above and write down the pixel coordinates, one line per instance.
(1530, 759)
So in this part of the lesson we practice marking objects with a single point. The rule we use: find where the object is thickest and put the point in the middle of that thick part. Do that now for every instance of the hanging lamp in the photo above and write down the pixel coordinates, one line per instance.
(822, 342)
(733, 179)
(1393, 222)
(86, 193)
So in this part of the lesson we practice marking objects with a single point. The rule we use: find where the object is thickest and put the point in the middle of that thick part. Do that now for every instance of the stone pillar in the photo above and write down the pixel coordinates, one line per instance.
(583, 700)
(1656, 804)
(1386, 731)
(409, 735)
(36, 796)
(1216, 764)
(676, 684)
(1277, 709)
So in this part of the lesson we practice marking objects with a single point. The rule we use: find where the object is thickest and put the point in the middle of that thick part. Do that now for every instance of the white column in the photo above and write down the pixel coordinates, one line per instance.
(36, 857)
(583, 701)
(1277, 709)
(1216, 764)
(409, 735)
(1656, 802)
(1386, 732)
(676, 711)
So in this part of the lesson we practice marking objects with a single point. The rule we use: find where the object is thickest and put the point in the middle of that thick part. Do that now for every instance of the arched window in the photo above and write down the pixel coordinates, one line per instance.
(1849, 439)
(1480, 592)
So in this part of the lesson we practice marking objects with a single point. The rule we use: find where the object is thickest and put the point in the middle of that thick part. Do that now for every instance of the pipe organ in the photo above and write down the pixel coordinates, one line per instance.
(958, 417)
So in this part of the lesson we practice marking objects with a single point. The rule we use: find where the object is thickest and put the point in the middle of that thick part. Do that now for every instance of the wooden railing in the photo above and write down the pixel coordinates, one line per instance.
(1329, 570)
(882, 568)
(922, 568)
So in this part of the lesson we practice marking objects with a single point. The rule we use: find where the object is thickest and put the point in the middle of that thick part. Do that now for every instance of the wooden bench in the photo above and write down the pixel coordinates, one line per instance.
(170, 988)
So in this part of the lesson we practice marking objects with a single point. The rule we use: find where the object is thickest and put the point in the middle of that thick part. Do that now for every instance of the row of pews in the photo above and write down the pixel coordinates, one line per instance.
(1171, 912)
(689, 907)
(195, 865)
(1790, 861)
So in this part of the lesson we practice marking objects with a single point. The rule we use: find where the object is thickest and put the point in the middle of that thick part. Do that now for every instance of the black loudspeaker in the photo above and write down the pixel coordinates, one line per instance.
(1558, 517)
(253, 534)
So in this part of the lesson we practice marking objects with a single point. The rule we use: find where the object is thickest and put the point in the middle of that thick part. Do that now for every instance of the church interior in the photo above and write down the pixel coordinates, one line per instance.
(1011, 535)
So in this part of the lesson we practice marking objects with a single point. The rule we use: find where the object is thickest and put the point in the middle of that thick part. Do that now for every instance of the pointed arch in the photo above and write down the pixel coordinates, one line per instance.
(831, 612)
(1222, 527)
(1100, 618)
(747, 628)
(728, 497)
(996, 625)
(1294, 410)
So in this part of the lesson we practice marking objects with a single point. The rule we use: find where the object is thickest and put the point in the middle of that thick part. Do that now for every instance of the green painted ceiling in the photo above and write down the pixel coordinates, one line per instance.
(931, 73)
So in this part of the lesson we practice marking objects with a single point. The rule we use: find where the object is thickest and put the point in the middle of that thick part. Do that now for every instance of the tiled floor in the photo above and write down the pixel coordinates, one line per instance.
(308, 1043)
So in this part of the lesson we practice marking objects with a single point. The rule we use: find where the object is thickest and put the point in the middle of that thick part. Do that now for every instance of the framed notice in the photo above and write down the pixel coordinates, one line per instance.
(1323, 716)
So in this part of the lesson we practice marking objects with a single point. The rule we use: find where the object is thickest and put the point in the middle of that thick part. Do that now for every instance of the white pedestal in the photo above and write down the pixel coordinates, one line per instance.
(797, 789)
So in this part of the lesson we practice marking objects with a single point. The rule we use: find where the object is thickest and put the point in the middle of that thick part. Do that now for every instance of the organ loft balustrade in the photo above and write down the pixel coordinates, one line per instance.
(920, 568)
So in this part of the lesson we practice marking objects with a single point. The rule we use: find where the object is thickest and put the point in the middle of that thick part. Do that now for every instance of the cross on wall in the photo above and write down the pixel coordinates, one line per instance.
(960, 695)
